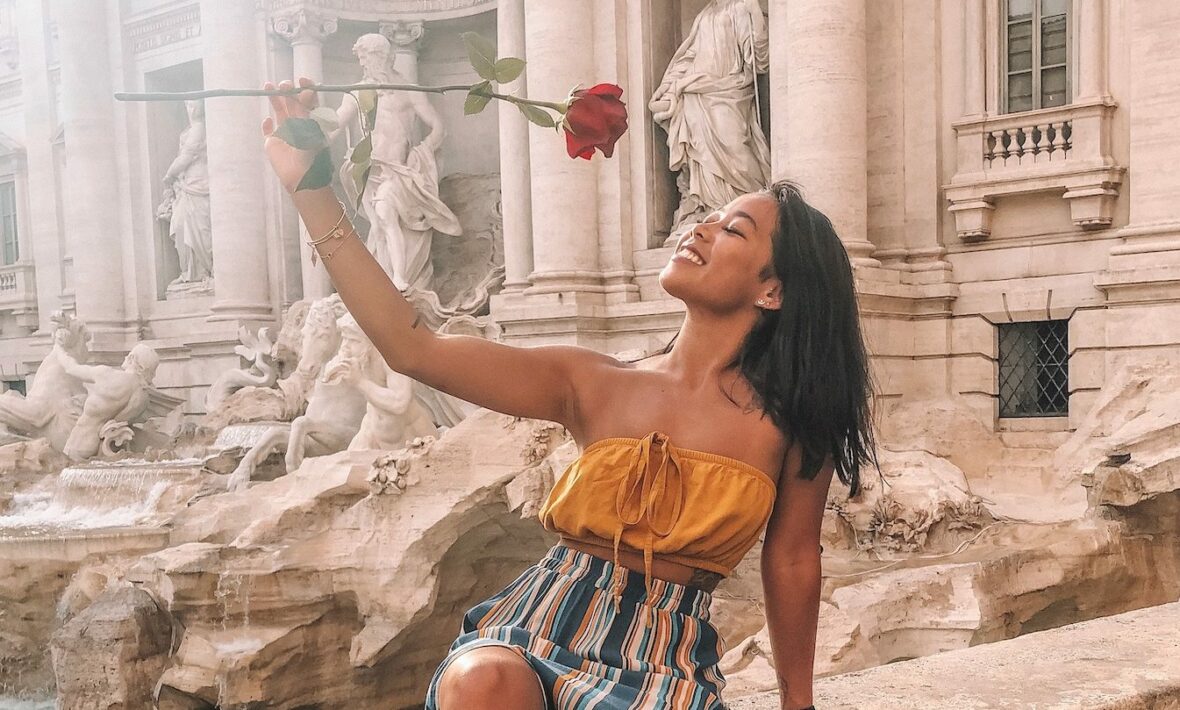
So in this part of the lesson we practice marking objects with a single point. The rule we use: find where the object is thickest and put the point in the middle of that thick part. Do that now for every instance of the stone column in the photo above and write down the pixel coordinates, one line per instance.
(974, 59)
(827, 147)
(1092, 50)
(564, 191)
(306, 31)
(515, 198)
(93, 229)
(40, 125)
(231, 33)
(780, 103)
(406, 38)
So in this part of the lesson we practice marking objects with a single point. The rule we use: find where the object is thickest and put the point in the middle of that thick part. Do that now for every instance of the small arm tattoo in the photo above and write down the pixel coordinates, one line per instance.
(704, 579)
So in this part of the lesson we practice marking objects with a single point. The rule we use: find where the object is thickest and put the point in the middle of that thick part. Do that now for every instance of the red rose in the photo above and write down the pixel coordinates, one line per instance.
(595, 119)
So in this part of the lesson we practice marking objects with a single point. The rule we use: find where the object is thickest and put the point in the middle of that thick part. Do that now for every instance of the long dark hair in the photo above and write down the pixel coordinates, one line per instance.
(807, 361)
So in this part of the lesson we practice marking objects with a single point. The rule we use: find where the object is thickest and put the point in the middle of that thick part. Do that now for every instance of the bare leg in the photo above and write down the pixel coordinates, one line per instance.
(490, 678)
(270, 441)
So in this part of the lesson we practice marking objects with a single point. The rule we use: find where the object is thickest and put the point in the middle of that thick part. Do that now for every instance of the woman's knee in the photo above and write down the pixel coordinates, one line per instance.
(489, 675)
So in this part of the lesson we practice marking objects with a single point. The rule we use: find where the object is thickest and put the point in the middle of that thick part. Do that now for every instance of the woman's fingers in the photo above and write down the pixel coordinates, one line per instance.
(268, 126)
(277, 105)
(309, 99)
(294, 107)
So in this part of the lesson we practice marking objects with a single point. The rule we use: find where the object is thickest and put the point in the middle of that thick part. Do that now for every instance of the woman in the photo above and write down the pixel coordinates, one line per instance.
(732, 431)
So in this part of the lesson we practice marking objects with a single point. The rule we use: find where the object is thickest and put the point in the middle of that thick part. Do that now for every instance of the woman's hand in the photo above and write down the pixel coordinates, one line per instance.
(289, 163)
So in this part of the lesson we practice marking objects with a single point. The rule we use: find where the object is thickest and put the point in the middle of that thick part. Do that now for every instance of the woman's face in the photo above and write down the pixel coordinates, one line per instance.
(735, 244)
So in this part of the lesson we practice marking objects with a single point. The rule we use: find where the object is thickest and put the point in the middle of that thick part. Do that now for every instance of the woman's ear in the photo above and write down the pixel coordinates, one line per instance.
(771, 298)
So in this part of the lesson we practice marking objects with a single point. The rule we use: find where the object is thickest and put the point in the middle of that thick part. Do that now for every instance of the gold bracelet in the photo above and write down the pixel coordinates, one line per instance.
(351, 233)
(333, 231)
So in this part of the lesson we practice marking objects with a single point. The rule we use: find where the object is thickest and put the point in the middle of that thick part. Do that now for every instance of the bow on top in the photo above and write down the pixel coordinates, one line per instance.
(651, 493)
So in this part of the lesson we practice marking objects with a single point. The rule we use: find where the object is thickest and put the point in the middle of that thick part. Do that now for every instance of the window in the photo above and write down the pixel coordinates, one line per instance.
(9, 246)
(1036, 54)
(1034, 369)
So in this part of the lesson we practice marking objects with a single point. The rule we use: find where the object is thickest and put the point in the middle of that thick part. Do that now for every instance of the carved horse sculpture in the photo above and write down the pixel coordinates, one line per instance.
(334, 408)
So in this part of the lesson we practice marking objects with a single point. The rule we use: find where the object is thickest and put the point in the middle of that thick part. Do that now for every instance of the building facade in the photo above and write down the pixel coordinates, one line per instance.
(998, 169)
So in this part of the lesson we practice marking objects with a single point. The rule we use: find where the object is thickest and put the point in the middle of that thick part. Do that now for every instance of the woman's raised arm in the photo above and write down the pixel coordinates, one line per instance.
(537, 382)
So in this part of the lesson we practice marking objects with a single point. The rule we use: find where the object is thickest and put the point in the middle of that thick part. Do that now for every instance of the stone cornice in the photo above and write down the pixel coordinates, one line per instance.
(165, 28)
(369, 10)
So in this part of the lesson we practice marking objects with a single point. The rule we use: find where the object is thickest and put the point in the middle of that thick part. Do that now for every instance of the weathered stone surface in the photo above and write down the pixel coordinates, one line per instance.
(919, 502)
(1015, 580)
(307, 589)
(1127, 450)
(23, 464)
(1128, 661)
(110, 656)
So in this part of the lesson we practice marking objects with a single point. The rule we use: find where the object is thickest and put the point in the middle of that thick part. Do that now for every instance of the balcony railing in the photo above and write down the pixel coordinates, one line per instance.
(1064, 149)
(18, 289)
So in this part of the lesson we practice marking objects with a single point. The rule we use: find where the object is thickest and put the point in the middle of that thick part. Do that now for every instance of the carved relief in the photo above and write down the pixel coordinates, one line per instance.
(164, 29)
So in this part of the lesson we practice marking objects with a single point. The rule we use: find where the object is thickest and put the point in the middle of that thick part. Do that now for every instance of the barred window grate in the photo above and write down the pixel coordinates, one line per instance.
(1034, 369)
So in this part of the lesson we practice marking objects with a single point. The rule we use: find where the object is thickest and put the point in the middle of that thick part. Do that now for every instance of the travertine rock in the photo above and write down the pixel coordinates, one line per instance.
(23, 463)
(110, 656)
(308, 590)
(919, 502)
(1122, 662)
(1127, 450)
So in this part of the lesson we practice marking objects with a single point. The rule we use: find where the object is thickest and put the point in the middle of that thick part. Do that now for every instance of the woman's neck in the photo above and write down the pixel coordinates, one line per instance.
(705, 347)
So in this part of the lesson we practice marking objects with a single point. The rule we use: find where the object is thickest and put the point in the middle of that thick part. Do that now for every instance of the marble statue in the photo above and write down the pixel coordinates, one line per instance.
(393, 412)
(335, 408)
(401, 199)
(54, 400)
(255, 348)
(707, 102)
(185, 205)
(114, 394)
(307, 340)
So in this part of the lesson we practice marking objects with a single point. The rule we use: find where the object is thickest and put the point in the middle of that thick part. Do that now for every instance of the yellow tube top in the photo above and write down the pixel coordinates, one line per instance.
(692, 507)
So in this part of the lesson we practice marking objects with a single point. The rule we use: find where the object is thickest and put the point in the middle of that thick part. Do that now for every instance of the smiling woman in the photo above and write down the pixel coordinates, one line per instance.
(616, 615)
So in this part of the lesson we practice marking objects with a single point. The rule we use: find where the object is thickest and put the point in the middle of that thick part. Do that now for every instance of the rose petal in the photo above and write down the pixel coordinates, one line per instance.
(605, 90)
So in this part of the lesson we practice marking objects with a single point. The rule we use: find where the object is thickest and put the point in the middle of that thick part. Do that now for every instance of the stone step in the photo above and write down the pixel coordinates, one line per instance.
(1034, 439)
(1127, 661)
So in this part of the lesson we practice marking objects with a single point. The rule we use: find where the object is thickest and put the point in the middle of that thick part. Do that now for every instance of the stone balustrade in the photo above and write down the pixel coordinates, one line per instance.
(1064, 149)
(18, 290)
(1027, 144)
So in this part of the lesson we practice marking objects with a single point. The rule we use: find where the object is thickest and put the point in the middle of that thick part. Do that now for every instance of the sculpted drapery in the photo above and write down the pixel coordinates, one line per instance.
(707, 103)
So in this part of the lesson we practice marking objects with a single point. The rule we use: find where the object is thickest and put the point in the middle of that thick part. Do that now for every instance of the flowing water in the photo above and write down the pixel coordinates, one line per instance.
(96, 496)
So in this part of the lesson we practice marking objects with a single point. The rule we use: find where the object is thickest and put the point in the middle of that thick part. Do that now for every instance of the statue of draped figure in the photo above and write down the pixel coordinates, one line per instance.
(708, 104)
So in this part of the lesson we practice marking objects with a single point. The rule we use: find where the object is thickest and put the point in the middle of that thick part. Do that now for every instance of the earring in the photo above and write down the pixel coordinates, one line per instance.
(761, 302)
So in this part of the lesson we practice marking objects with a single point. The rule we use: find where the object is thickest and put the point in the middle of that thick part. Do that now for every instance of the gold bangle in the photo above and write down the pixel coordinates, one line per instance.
(333, 231)
(329, 255)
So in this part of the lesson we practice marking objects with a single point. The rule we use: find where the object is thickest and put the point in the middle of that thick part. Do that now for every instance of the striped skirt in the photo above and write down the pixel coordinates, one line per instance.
(560, 617)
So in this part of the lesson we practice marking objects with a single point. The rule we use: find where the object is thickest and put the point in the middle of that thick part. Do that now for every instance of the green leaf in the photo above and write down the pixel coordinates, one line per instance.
(362, 151)
(508, 69)
(367, 101)
(326, 117)
(320, 173)
(302, 133)
(367, 98)
(477, 98)
(360, 178)
(482, 55)
(537, 115)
